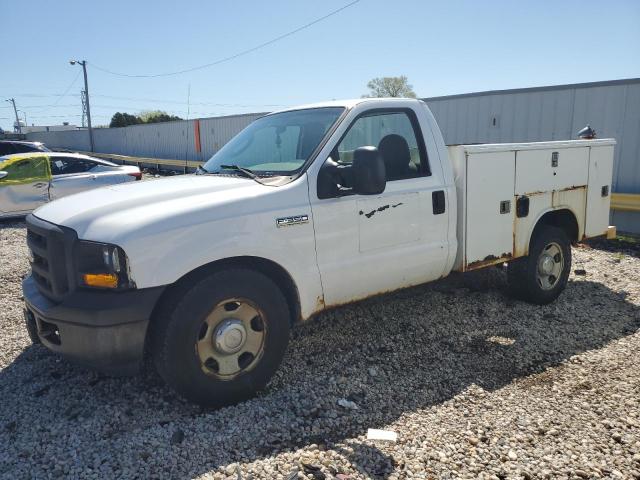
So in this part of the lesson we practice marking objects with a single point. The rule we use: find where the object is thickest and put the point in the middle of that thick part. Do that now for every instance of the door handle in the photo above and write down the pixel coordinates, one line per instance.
(437, 198)
(40, 185)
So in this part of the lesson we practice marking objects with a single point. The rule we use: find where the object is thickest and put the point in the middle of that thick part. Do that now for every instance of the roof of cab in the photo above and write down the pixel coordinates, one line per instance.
(348, 103)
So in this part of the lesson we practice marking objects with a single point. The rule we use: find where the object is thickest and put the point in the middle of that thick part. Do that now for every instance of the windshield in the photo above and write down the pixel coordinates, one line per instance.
(277, 144)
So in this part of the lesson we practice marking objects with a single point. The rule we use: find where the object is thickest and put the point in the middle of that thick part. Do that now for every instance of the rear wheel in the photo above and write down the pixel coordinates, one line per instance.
(222, 340)
(543, 274)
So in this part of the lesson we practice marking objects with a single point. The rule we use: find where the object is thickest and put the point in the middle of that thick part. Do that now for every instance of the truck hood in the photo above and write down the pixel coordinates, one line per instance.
(109, 213)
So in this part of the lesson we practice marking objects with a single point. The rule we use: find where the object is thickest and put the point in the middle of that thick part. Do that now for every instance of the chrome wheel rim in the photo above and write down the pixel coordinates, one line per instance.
(550, 266)
(231, 339)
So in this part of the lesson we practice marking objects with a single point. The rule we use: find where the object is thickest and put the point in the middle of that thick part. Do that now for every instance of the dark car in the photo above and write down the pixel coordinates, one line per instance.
(9, 147)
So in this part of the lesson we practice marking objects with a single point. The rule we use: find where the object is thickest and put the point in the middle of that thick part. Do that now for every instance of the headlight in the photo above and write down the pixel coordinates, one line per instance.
(101, 265)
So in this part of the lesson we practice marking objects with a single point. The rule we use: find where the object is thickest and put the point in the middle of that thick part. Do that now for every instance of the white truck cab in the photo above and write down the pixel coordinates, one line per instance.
(305, 209)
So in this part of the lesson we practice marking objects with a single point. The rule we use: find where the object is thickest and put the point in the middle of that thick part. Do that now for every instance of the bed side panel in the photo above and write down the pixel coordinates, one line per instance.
(599, 192)
(458, 158)
(489, 226)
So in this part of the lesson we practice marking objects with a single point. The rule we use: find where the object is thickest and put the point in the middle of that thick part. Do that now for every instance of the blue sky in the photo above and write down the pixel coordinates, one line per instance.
(444, 47)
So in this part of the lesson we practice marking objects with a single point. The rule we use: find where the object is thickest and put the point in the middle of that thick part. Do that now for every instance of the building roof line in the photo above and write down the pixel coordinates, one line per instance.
(625, 81)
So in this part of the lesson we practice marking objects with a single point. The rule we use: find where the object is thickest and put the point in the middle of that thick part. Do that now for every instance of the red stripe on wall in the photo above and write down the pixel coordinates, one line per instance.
(196, 131)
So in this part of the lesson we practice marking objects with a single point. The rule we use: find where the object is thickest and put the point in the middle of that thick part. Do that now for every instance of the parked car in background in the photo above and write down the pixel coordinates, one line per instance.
(9, 147)
(29, 180)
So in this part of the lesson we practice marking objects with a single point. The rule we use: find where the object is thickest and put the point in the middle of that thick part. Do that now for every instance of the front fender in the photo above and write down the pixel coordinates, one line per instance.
(164, 258)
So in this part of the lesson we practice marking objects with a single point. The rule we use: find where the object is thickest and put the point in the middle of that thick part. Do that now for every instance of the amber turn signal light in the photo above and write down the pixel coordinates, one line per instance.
(101, 280)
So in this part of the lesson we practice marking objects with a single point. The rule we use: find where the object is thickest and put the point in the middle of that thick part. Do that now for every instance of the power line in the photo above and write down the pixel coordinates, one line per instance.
(55, 104)
(42, 95)
(66, 116)
(231, 57)
(46, 106)
(150, 100)
(192, 103)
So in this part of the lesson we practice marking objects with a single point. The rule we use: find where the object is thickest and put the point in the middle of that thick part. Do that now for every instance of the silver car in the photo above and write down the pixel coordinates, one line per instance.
(28, 180)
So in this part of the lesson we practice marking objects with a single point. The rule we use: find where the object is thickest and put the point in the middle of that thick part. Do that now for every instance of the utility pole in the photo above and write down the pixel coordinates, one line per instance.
(17, 127)
(86, 93)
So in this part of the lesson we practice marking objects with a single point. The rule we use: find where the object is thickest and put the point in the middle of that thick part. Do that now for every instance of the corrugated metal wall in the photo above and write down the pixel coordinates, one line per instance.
(70, 139)
(172, 140)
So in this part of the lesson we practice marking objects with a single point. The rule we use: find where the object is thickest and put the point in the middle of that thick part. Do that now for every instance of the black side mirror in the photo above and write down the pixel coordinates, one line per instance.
(366, 175)
(369, 173)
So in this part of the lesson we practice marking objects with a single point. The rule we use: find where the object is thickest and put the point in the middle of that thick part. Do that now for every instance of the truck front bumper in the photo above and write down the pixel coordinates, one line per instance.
(104, 331)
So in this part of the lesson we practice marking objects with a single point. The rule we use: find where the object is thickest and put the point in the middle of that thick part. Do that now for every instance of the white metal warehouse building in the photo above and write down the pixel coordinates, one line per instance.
(612, 108)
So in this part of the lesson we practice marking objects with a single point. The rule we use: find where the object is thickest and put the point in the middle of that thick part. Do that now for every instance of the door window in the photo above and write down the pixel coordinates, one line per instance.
(23, 148)
(68, 165)
(396, 135)
(6, 149)
(26, 170)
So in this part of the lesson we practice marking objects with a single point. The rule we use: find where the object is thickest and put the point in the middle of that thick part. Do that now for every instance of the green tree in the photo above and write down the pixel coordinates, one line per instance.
(147, 116)
(157, 116)
(124, 120)
(390, 87)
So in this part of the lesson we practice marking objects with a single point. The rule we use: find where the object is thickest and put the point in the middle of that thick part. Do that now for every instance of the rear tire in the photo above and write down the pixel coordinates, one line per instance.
(222, 339)
(542, 275)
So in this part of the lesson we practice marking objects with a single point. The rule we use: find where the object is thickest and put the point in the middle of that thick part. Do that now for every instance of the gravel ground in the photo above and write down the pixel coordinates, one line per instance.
(475, 384)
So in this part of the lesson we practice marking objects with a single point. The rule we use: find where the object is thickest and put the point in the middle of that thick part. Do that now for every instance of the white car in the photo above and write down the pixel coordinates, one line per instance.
(31, 179)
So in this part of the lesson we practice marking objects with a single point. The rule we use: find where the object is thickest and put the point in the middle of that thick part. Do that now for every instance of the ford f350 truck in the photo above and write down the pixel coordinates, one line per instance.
(304, 210)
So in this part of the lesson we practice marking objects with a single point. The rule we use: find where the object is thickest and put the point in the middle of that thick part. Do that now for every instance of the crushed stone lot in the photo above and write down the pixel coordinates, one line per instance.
(475, 384)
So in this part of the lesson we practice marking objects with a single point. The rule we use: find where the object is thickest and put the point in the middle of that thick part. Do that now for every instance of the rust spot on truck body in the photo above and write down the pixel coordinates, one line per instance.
(489, 260)
(319, 303)
(558, 201)
(542, 192)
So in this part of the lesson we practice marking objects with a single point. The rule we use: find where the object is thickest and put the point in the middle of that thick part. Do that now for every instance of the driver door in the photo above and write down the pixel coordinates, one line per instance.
(25, 186)
(370, 244)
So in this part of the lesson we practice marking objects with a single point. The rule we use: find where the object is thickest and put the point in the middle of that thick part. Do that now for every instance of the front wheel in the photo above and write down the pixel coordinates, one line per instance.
(542, 275)
(223, 339)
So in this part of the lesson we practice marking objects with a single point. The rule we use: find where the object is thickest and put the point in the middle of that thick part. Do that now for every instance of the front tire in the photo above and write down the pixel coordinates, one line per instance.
(222, 340)
(542, 275)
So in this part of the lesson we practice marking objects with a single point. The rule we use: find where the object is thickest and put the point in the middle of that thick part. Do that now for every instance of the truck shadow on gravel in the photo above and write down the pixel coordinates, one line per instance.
(391, 356)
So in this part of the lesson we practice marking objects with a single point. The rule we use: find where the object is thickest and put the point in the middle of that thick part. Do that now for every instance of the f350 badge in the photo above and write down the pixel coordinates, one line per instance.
(293, 220)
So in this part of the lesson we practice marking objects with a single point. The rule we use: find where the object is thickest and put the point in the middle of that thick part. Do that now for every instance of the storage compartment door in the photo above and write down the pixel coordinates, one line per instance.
(553, 169)
(489, 232)
(599, 200)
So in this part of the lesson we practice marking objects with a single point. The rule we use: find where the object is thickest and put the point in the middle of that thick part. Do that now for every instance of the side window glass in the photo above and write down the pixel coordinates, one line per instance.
(68, 165)
(57, 165)
(26, 171)
(20, 148)
(6, 149)
(84, 165)
(395, 137)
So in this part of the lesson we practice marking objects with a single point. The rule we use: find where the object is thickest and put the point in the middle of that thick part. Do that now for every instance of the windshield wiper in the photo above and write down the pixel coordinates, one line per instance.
(245, 171)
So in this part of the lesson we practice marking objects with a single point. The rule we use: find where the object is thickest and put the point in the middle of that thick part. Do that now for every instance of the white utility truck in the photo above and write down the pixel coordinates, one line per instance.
(305, 209)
